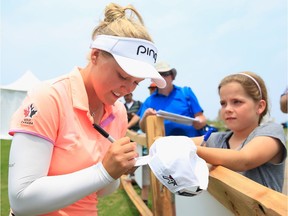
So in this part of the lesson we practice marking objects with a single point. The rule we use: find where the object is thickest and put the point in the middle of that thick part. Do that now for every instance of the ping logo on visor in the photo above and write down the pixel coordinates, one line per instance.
(133, 48)
(135, 56)
(148, 51)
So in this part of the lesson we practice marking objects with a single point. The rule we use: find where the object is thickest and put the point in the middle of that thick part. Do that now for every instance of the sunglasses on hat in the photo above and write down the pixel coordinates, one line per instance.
(166, 74)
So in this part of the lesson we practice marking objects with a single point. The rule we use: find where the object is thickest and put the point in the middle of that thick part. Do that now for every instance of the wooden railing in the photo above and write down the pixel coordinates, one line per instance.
(237, 193)
(135, 198)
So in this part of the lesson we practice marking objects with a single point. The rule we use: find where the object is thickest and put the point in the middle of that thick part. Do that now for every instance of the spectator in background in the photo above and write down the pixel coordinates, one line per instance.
(284, 101)
(254, 149)
(174, 99)
(132, 108)
(136, 118)
(152, 88)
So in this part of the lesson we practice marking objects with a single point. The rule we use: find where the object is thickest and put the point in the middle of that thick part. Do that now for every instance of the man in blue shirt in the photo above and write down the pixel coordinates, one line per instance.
(174, 99)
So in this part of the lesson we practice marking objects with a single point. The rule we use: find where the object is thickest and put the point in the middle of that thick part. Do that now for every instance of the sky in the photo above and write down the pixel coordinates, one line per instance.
(204, 40)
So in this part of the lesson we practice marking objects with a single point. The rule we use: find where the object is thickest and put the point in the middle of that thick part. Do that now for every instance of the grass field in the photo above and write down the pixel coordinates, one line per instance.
(117, 203)
(5, 146)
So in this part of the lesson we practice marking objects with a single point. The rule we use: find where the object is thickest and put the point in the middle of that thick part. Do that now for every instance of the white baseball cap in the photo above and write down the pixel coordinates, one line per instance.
(135, 56)
(174, 162)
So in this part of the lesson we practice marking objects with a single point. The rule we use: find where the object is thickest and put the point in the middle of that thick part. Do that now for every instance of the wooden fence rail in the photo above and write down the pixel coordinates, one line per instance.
(237, 193)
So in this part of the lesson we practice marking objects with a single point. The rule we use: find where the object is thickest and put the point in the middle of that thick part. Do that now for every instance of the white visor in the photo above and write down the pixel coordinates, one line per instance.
(135, 56)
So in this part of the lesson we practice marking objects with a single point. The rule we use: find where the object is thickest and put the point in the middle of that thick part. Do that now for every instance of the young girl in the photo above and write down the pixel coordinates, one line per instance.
(59, 164)
(255, 150)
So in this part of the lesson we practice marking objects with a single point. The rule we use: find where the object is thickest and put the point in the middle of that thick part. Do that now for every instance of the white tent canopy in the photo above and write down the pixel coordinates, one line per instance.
(11, 98)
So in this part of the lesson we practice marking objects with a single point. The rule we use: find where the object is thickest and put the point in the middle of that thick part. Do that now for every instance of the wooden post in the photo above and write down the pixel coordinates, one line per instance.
(162, 197)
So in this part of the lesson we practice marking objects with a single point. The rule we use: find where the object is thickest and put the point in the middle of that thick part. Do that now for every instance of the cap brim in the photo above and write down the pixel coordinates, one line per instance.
(142, 160)
(140, 69)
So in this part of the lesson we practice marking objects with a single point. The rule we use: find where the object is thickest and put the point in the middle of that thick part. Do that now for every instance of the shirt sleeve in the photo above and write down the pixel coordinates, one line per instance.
(273, 130)
(32, 192)
(38, 115)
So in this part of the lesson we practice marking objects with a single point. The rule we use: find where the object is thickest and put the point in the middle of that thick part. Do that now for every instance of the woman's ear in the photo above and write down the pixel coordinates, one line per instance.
(94, 55)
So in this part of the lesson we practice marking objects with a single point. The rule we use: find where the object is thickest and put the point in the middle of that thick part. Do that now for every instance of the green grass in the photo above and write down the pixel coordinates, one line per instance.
(117, 203)
(5, 147)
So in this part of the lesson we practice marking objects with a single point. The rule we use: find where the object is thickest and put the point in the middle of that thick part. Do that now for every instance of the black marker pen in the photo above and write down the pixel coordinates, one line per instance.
(103, 133)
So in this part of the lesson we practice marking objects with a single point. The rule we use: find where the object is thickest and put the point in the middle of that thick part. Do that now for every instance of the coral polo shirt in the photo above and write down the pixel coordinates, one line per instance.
(59, 113)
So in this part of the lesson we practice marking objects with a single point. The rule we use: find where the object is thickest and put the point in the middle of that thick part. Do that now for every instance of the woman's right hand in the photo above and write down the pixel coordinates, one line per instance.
(120, 157)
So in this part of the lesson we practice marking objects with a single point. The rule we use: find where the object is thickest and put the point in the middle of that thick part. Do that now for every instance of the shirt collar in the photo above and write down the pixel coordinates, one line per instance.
(78, 91)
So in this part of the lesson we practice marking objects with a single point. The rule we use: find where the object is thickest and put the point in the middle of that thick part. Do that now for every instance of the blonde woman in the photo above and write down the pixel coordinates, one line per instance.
(59, 164)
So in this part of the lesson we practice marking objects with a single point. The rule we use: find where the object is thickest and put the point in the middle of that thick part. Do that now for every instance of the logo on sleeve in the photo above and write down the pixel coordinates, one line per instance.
(29, 113)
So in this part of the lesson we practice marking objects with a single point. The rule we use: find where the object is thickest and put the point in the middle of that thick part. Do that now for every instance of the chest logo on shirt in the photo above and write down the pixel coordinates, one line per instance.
(29, 113)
